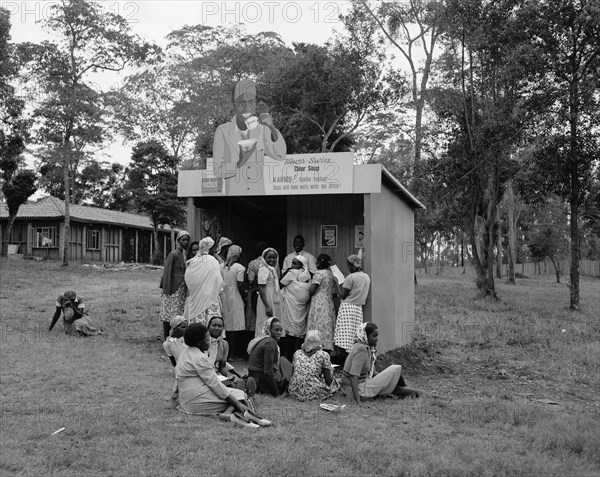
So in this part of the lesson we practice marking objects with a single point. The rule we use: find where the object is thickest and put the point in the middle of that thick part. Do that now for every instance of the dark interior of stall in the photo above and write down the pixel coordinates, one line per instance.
(247, 221)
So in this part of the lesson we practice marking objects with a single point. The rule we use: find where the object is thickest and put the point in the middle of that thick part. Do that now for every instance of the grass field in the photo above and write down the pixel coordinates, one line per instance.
(513, 389)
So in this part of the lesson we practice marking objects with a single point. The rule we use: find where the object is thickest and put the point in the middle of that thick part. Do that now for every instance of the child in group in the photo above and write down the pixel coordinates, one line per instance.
(174, 346)
(297, 273)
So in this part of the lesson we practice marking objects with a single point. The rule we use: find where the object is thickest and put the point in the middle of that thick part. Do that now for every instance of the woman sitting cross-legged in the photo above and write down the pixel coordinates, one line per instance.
(271, 372)
(359, 379)
(200, 391)
(313, 374)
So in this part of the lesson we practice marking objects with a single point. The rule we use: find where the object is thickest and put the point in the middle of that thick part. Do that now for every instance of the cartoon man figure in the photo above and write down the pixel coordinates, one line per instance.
(240, 145)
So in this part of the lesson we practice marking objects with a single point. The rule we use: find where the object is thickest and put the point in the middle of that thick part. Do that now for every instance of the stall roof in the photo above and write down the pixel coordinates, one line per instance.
(400, 189)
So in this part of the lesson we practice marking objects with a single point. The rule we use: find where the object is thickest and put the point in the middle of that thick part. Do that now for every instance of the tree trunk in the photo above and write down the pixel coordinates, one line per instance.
(575, 192)
(512, 231)
(556, 264)
(67, 185)
(498, 252)
(9, 228)
(157, 251)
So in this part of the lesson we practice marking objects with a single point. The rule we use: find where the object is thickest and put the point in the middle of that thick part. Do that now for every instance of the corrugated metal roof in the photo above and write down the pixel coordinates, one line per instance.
(52, 207)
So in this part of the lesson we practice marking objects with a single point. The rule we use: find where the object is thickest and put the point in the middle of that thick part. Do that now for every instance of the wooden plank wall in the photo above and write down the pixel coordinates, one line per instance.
(306, 214)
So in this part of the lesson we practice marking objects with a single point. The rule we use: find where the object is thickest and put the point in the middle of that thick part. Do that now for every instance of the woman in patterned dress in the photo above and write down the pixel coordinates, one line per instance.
(313, 374)
(174, 291)
(353, 292)
(321, 315)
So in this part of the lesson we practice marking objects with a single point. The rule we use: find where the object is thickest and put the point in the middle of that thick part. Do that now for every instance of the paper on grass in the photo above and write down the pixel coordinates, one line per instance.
(338, 274)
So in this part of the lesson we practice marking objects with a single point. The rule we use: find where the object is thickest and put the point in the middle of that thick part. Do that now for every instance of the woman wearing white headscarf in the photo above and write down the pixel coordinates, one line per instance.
(359, 378)
(232, 298)
(172, 300)
(204, 282)
(353, 292)
(269, 303)
(313, 374)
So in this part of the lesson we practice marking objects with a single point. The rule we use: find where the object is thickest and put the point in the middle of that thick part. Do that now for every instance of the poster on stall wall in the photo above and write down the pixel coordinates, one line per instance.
(328, 236)
(359, 236)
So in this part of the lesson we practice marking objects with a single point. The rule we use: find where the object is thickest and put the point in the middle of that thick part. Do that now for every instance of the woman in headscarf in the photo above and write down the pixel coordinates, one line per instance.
(232, 299)
(271, 372)
(222, 249)
(359, 379)
(204, 282)
(313, 374)
(269, 303)
(295, 294)
(321, 315)
(200, 391)
(76, 321)
(172, 283)
(353, 293)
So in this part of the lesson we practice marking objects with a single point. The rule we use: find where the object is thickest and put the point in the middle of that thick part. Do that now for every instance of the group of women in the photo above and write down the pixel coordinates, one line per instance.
(212, 295)
(213, 282)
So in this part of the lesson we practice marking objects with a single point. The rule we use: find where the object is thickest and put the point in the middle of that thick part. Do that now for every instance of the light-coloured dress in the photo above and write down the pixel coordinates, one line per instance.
(321, 316)
(232, 304)
(295, 296)
(350, 314)
(307, 381)
(200, 391)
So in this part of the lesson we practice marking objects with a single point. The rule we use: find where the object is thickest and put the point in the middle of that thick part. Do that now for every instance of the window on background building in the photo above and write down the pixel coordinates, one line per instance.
(93, 240)
(45, 237)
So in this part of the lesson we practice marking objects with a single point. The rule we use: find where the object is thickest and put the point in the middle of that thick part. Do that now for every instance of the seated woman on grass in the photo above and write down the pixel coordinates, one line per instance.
(76, 321)
(218, 352)
(313, 374)
(271, 372)
(200, 391)
(359, 379)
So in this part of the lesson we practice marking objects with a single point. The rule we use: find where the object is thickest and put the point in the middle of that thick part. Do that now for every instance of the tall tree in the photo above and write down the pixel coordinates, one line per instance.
(70, 116)
(152, 183)
(17, 184)
(413, 28)
(485, 72)
(566, 34)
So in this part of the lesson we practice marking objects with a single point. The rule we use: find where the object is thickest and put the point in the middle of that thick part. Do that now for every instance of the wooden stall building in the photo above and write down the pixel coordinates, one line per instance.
(337, 206)
(97, 235)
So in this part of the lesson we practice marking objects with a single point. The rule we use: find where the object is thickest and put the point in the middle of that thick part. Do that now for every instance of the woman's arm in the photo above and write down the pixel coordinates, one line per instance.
(235, 403)
(262, 291)
(242, 290)
(341, 291)
(55, 317)
(313, 288)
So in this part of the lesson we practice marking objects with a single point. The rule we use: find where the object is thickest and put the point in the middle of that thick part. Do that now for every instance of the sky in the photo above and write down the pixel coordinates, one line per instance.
(311, 21)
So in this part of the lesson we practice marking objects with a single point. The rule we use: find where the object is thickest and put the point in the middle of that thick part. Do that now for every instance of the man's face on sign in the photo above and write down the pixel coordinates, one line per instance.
(244, 106)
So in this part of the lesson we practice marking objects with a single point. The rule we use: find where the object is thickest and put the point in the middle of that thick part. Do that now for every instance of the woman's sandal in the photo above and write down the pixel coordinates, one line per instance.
(238, 418)
(256, 419)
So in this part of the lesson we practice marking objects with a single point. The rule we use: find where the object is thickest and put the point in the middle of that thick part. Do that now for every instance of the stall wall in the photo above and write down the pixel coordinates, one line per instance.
(306, 214)
(390, 264)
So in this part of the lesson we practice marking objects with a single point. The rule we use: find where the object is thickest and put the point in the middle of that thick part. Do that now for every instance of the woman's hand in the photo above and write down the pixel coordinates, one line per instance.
(269, 311)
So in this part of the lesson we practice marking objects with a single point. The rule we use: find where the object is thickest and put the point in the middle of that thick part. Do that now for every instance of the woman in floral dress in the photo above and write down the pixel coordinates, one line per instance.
(321, 315)
(313, 374)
